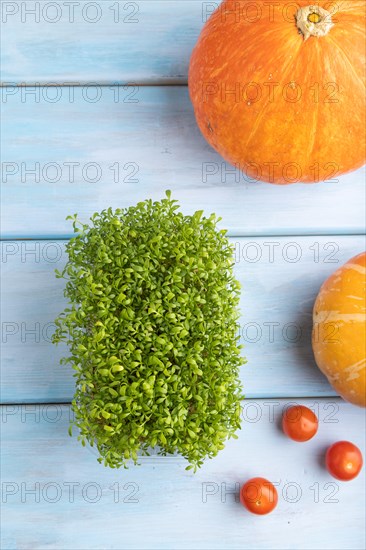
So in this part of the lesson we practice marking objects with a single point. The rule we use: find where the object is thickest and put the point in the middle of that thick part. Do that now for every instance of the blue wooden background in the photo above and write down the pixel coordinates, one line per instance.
(95, 113)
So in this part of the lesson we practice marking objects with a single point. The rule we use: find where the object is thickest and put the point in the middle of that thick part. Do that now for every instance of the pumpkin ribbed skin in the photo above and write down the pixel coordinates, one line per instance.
(280, 108)
(339, 330)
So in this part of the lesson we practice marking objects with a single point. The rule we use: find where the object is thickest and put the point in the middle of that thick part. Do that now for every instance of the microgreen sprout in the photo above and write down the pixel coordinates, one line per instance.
(152, 332)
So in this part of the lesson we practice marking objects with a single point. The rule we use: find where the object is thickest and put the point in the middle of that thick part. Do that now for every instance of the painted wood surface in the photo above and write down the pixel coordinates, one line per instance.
(280, 279)
(159, 505)
(81, 155)
(93, 142)
(107, 41)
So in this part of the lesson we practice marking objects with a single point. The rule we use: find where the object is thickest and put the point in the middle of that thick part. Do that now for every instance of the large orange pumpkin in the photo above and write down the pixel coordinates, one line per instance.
(278, 88)
(339, 330)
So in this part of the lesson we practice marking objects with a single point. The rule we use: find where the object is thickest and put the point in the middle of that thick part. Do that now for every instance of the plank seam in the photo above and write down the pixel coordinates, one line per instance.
(68, 403)
(235, 236)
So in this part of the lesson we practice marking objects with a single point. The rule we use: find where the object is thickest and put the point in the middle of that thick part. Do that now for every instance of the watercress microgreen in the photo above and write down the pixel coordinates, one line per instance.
(152, 332)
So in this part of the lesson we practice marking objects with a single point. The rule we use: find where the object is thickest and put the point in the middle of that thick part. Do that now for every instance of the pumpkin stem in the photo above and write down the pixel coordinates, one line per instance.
(313, 21)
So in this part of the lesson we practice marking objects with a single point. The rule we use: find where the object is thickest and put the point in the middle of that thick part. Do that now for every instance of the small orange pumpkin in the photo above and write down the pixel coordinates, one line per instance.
(339, 330)
(278, 88)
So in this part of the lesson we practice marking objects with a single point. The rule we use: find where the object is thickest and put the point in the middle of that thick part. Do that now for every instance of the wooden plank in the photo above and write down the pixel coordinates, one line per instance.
(275, 326)
(159, 505)
(76, 155)
(106, 41)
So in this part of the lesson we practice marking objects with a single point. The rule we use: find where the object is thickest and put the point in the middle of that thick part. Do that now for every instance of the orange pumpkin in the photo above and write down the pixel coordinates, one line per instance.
(278, 88)
(339, 330)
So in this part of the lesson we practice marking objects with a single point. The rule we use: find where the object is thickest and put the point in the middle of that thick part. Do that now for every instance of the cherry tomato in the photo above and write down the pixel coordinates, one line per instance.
(343, 460)
(259, 496)
(299, 423)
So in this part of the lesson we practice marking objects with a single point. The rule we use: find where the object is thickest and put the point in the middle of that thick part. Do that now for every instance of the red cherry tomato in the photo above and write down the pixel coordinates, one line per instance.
(299, 423)
(344, 460)
(259, 496)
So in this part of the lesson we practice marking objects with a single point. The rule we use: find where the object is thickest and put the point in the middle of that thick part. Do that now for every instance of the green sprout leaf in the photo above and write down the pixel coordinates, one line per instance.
(152, 332)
